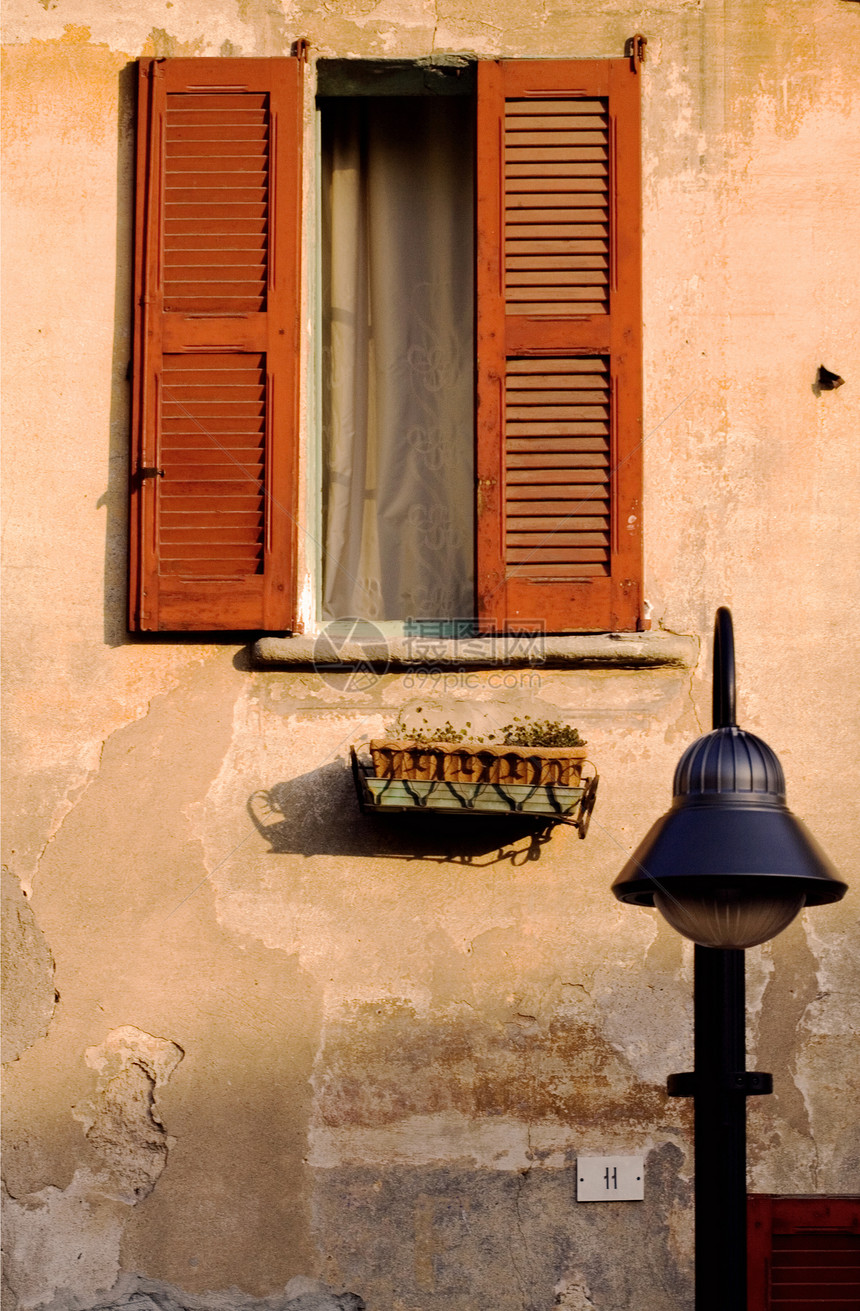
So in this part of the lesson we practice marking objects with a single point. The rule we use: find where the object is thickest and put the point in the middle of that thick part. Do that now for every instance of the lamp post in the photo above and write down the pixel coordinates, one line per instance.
(728, 866)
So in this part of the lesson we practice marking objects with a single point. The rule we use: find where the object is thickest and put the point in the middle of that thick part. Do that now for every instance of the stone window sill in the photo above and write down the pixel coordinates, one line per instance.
(656, 650)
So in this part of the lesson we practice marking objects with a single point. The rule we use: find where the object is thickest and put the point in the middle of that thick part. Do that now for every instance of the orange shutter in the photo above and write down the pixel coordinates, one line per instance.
(803, 1253)
(559, 346)
(215, 410)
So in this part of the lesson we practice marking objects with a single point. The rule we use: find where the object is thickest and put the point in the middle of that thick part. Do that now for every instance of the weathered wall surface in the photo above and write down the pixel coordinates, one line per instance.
(253, 1036)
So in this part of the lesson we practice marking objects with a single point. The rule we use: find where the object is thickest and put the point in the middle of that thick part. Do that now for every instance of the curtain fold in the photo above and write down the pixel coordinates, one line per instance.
(398, 371)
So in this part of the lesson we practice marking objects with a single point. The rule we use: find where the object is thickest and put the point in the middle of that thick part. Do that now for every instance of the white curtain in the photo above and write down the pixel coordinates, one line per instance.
(398, 373)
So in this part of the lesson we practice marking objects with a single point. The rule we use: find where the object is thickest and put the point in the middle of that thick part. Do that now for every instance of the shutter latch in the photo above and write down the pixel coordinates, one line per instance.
(634, 49)
(147, 472)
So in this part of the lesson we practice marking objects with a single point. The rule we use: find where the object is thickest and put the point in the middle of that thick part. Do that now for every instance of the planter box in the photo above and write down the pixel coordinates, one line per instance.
(472, 762)
(546, 804)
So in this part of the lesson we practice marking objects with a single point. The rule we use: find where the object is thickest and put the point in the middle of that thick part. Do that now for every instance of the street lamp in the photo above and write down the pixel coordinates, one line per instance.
(728, 866)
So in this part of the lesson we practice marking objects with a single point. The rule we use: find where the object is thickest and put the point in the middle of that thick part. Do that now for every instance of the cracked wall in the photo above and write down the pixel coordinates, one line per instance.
(255, 1040)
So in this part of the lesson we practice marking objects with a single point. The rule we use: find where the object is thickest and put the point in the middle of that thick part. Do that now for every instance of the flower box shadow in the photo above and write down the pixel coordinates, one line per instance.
(318, 814)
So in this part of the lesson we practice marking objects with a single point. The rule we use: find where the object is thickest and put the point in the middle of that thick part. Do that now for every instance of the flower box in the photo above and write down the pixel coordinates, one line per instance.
(546, 804)
(474, 762)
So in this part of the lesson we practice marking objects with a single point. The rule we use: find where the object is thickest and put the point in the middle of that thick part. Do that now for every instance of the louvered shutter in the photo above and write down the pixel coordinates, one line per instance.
(803, 1253)
(216, 344)
(559, 346)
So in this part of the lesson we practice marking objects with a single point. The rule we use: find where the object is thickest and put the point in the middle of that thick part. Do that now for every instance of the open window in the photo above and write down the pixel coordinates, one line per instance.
(482, 345)
(398, 358)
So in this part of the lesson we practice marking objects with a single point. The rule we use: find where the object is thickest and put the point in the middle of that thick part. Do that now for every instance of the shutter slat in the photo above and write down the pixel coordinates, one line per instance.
(221, 471)
(588, 468)
(520, 391)
(527, 122)
(543, 411)
(547, 246)
(244, 255)
(235, 133)
(220, 502)
(522, 190)
(532, 532)
(546, 295)
(527, 108)
(534, 558)
(576, 438)
(549, 138)
(193, 521)
(590, 211)
(529, 280)
(232, 251)
(844, 1259)
(546, 367)
(187, 447)
(519, 527)
(590, 499)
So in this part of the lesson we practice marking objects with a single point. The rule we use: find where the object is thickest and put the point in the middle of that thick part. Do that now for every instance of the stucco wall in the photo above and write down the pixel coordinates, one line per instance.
(254, 1036)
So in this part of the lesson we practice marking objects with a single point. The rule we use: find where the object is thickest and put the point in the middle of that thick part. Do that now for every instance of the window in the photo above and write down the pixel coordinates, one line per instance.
(556, 482)
(397, 377)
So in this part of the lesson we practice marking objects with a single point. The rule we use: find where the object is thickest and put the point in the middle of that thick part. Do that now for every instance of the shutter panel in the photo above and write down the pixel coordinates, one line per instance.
(216, 344)
(804, 1253)
(559, 346)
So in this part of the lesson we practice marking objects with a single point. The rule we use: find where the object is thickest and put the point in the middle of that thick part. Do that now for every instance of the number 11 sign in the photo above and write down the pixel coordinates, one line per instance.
(610, 1179)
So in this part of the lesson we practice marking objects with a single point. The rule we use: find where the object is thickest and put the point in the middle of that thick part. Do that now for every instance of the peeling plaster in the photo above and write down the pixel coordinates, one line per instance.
(64, 1245)
(301, 1294)
(61, 1247)
(572, 1293)
(121, 1120)
(27, 972)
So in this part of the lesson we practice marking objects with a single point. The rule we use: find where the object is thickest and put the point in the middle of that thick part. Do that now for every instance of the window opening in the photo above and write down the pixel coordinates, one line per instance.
(398, 351)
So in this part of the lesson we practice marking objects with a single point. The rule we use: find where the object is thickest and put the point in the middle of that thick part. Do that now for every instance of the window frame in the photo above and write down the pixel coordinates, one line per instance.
(296, 586)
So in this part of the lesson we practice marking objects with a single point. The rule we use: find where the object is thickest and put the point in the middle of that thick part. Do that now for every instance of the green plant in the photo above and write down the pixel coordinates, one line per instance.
(426, 736)
(528, 732)
(525, 732)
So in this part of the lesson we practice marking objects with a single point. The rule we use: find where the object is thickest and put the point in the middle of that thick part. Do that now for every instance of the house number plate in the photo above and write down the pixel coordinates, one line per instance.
(610, 1179)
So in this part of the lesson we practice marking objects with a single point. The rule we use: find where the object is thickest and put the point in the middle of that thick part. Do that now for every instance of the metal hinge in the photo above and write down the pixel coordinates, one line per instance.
(634, 49)
(150, 472)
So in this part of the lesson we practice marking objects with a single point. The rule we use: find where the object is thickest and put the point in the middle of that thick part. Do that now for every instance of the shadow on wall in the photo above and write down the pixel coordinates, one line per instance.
(115, 497)
(317, 814)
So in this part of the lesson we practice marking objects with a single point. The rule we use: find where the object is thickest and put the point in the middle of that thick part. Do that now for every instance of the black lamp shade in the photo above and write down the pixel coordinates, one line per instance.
(729, 838)
(701, 848)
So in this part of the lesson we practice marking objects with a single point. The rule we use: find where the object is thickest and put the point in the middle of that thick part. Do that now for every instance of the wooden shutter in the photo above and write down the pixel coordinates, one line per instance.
(803, 1253)
(559, 346)
(216, 344)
